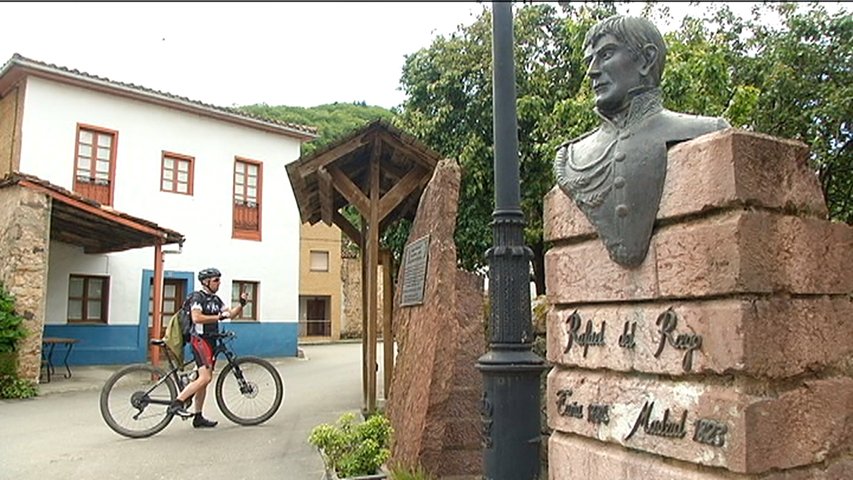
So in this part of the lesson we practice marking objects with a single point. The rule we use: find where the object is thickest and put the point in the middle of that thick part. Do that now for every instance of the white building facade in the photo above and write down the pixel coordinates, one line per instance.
(213, 174)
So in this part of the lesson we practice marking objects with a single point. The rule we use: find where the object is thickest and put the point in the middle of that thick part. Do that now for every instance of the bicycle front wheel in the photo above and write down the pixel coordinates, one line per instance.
(134, 400)
(249, 391)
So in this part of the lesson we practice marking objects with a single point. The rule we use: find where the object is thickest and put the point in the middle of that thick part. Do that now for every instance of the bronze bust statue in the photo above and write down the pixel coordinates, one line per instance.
(615, 173)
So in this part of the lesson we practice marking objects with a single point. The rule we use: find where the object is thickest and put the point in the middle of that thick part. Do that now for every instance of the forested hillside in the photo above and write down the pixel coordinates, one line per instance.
(332, 120)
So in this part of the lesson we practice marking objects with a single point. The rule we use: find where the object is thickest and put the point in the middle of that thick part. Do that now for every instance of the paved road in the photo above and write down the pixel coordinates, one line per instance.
(60, 434)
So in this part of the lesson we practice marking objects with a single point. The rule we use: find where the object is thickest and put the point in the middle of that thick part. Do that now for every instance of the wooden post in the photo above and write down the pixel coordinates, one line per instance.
(158, 302)
(372, 280)
(387, 316)
(364, 293)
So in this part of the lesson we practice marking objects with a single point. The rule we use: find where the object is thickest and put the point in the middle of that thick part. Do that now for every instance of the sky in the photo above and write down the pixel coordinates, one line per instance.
(237, 53)
(228, 54)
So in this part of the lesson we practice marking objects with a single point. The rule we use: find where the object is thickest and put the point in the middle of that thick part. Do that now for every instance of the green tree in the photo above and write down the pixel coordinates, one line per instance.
(786, 71)
(791, 81)
(449, 106)
(804, 71)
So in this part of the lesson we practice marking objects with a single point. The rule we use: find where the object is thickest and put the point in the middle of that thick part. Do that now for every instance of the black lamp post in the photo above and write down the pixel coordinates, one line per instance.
(510, 369)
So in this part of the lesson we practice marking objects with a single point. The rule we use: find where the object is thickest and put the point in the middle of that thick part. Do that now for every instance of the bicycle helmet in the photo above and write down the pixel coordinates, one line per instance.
(208, 273)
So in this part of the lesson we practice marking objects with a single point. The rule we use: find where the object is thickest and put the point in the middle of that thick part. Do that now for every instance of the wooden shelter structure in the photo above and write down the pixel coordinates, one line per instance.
(382, 172)
(77, 220)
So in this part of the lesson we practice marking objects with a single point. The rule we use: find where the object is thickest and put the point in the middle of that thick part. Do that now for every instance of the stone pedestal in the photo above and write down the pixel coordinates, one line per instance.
(728, 353)
(436, 389)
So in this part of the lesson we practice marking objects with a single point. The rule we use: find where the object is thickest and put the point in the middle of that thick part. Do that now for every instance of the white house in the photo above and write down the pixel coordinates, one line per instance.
(212, 173)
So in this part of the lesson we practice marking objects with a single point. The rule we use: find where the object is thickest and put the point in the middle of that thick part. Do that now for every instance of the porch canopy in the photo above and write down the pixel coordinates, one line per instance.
(382, 172)
(77, 220)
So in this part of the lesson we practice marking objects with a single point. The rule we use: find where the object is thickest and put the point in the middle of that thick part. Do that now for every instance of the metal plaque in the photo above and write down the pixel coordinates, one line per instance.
(415, 257)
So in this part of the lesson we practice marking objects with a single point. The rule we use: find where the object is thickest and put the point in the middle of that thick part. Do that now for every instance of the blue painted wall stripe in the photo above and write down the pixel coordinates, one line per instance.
(123, 344)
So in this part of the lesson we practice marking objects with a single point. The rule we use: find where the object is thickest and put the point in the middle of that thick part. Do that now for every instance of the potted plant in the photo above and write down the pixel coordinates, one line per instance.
(353, 451)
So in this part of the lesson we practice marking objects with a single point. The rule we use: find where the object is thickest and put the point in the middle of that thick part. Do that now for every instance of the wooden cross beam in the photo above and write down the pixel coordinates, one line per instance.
(327, 195)
(350, 191)
(400, 191)
(348, 228)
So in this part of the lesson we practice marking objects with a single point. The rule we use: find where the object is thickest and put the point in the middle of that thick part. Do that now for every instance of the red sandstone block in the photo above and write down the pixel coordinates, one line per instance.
(463, 434)
(717, 425)
(585, 273)
(764, 337)
(736, 167)
(572, 457)
(738, 252)
(453, 463)
(755, 252)
(726, 169)
(562, 220)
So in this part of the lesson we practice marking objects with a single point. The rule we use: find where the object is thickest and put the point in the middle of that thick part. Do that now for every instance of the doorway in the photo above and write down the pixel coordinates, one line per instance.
(315, 318)
(174, 293)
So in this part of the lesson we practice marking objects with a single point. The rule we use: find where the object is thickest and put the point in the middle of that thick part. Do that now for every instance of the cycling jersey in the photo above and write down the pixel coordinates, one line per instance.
(209, 304)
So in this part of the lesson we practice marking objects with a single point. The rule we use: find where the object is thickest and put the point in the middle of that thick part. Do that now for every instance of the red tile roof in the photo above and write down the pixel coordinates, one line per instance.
(68, 75)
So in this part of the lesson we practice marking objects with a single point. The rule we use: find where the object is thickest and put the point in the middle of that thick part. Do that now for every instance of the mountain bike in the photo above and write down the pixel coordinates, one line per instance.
(134, 400)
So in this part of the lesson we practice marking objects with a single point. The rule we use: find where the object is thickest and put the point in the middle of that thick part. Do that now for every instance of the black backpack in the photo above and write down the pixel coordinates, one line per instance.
(185, 318)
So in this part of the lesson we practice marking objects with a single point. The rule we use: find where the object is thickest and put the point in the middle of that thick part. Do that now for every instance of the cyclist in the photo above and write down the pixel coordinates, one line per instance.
(207, 309)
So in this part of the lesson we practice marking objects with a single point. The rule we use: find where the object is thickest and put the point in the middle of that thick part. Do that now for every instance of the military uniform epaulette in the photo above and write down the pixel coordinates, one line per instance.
(578, 138)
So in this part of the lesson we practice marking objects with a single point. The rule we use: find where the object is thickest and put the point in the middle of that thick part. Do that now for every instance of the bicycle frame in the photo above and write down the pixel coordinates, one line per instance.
(149, 392)
(220, 349)
(174, 368)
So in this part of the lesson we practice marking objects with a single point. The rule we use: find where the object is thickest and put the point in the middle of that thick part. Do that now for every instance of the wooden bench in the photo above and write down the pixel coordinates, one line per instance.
(48, 345)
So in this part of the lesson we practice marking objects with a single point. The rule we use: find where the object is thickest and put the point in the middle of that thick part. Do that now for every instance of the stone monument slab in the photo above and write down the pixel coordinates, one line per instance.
(435, 391)
(714, 424)
(720, 336)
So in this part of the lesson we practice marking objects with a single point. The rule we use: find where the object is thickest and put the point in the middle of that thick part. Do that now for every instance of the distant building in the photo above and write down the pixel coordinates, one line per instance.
(320, 282)
(214, 174)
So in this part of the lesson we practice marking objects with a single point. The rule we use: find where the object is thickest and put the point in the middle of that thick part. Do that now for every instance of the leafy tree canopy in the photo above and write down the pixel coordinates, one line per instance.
(791, 80)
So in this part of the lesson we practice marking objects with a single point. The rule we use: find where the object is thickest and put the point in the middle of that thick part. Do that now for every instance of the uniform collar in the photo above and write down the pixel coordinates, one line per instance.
(642, 106)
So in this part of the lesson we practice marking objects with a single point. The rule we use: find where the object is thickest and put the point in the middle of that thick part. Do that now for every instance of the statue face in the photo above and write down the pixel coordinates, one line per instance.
(615, 73)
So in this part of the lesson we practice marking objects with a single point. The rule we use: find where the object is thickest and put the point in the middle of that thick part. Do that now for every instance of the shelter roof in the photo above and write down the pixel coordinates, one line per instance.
(80, 221)
(339, 174)
(19, 67)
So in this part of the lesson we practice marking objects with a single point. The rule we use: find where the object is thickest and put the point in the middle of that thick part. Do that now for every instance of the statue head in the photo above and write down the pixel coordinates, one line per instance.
(625, 57)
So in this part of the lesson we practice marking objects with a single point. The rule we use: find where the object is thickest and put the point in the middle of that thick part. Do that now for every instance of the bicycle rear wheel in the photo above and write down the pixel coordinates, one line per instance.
(134, 400)
(249, 391)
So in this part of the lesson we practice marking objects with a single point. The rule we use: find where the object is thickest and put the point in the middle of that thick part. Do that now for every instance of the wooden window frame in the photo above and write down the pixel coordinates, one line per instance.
(105, 300)
(177, 157)
(81, 187)
(241, 233)
(254, 300)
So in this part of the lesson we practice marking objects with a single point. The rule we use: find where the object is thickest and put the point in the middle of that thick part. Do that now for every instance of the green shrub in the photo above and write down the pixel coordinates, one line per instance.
(12, 330)
(351, 449)
(14, 387)
(11, 324)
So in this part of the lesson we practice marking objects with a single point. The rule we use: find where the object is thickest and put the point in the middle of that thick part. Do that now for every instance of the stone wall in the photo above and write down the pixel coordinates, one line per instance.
(24, 242)
(351, 297)
(351, 320)
(728, 353)
(436, 389)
